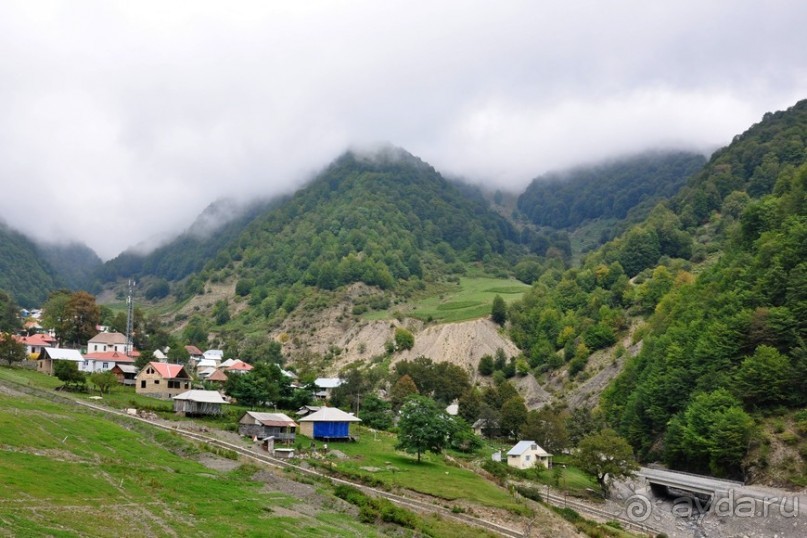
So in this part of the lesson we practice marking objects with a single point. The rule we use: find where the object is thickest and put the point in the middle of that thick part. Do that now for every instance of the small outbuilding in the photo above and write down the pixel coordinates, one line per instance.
(263, 425)
(49, 355)
(199, 402)
(328, 424)
(125, 373)
(527, 454)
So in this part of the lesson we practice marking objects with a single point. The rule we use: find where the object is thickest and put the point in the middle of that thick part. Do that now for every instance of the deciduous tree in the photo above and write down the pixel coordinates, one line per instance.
(498, 311)
(607, 456)
(423, 427)
(103, 380)
(11, 350)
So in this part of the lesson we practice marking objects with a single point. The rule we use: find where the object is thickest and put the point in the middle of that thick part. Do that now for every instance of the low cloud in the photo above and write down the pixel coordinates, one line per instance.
(120, 121)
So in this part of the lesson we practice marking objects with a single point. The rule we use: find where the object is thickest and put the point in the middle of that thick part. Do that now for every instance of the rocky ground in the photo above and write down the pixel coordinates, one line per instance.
(744, 513)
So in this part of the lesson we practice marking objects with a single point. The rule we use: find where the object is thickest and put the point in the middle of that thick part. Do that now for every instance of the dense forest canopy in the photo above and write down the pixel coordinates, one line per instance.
(191, 250)
(381, 220)
(24, 273)
(724, 295)
(608, 190)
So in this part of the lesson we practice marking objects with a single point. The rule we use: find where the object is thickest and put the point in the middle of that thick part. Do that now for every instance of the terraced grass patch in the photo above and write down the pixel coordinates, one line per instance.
(471, 299)
(457, 305)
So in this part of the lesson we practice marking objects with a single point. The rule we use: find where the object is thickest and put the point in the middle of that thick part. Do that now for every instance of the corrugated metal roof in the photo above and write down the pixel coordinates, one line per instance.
(523, 446)
(62, 354)
(327, 382)
(272, 419)
(330, 414)
(203, 396)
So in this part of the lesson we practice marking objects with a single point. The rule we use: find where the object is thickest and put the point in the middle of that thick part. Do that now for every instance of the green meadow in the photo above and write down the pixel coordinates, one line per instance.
(470, 299)
(374, 458)
(68, 472)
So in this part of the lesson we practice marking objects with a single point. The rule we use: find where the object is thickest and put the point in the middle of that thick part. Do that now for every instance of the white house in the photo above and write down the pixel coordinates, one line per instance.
(215, 354)
(325, 386)
(103, 361)
(527, 454)
(102, 342)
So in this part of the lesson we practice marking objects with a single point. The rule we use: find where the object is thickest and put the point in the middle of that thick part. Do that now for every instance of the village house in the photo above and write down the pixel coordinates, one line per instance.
(125, 373)
(527, 454)
(198, 402)
(195, 353)
(49, 355)
(236, 366)
(216, 376)
(325, 386)
(35, 343)
(263, 425)
(329, 424)
(107, 342)
(101, 361)
(307, 410)
(162, 380)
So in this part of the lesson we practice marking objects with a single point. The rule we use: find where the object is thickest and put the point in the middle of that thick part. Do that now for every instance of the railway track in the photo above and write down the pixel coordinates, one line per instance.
(563, 501)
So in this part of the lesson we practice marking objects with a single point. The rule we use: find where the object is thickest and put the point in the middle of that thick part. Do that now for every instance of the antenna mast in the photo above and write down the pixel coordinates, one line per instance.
(130, 317)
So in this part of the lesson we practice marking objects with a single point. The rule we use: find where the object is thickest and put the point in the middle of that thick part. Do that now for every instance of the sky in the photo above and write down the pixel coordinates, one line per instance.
(121, 121)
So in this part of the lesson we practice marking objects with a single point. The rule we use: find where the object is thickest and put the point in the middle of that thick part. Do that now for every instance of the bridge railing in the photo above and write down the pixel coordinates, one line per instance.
(704, 477)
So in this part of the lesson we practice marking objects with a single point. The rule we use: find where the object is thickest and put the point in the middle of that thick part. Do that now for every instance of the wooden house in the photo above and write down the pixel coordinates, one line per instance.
(328, 424)
(198, 402)
(162, 380)
(263, 425)
(125, 373)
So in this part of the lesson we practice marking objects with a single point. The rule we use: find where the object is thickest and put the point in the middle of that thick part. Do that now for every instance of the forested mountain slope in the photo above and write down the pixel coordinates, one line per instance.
(608, 190)
(729, 344)
(23, 271)
(388, 220)
(75, 264)
(214, 228)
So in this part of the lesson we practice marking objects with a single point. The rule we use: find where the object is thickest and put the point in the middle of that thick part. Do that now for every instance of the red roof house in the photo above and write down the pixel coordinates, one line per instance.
(162, 380)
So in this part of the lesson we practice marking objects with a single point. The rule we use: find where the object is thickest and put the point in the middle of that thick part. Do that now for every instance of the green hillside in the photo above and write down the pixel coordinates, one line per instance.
(606, 191)
(388, 220)
(78, 473)
(219, 224)
(723, 296)
(731, 343)
(74, 263)
(24, 273)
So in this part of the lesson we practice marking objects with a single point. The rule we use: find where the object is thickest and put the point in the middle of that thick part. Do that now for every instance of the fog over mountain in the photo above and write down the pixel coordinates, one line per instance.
(122, 121)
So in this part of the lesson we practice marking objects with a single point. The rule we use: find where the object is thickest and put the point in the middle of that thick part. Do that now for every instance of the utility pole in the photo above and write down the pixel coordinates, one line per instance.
(130, 318)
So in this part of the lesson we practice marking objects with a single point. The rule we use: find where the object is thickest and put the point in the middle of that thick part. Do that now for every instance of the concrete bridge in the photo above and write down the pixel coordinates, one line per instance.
(662, 480)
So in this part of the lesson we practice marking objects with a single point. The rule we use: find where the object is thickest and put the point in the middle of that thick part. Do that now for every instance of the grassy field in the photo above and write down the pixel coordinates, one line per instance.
(470, 299)
(67, 472)
(116, 478)
(374, 456)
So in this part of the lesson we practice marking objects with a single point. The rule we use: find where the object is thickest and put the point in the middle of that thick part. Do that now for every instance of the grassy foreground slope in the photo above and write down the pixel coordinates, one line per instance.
(66, 472)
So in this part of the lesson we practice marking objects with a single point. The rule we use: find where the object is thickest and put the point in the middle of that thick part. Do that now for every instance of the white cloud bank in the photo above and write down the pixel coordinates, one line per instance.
(122, 120)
